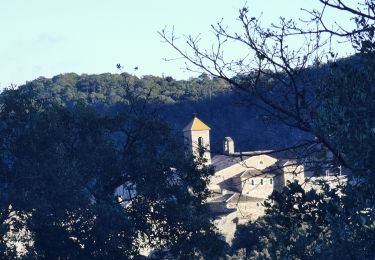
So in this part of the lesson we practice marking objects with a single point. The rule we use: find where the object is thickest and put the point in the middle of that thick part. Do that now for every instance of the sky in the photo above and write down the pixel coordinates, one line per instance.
(50, 37)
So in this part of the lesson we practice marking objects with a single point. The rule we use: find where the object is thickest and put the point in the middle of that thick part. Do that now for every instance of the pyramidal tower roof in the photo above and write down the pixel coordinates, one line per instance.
(196, 125)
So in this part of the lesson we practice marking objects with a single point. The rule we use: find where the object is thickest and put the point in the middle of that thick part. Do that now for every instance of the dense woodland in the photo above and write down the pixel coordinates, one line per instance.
(68, 142)
(79, 133)
(214, 101)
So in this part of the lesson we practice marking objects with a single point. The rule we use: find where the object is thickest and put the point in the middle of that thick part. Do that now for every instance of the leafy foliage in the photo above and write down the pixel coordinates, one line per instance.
(60, 168)
(347, 111)
(334, 222)
(108, 89)
(303, 224)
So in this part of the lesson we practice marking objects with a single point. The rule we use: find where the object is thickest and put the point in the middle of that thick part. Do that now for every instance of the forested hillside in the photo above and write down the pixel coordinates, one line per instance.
(213, 100)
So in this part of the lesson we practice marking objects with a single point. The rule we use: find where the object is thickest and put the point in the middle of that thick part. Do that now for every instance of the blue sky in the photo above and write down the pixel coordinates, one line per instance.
(49, 37)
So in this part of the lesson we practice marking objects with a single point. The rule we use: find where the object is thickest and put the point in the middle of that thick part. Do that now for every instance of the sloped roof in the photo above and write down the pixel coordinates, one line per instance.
(221, 198)
(196, 125)
(221, 162)
(237, 198)
(232, 184)
(257, 173)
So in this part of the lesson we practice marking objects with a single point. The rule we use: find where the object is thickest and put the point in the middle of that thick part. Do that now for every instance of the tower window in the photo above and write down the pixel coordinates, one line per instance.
(200, 141)
(252, 182)
(261, 181)
(270, 181)
(200, 146)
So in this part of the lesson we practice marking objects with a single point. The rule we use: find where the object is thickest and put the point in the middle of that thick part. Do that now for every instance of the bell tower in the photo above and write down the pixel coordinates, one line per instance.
(228, 146)
(197, 139)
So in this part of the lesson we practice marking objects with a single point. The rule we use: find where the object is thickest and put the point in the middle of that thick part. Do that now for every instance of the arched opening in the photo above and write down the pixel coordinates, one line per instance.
(200, 146)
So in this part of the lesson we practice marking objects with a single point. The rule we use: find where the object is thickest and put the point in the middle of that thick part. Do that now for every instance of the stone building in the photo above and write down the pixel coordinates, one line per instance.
(242, 180)
(197, 139)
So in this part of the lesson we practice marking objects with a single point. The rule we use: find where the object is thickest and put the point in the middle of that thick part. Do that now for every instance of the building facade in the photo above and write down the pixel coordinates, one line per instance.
(242, 180)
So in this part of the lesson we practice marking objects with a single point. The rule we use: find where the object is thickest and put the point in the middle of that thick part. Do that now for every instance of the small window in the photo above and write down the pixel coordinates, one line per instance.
(252, 182)
(260, 162)
(257, 204)
(270, 181)
(261, 181)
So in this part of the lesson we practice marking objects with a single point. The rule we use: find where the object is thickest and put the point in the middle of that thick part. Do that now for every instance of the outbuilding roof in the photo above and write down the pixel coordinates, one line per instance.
(238, 198)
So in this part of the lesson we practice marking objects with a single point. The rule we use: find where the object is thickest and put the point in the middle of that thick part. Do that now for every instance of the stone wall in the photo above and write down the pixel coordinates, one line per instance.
(259, 187)
(293, 172)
